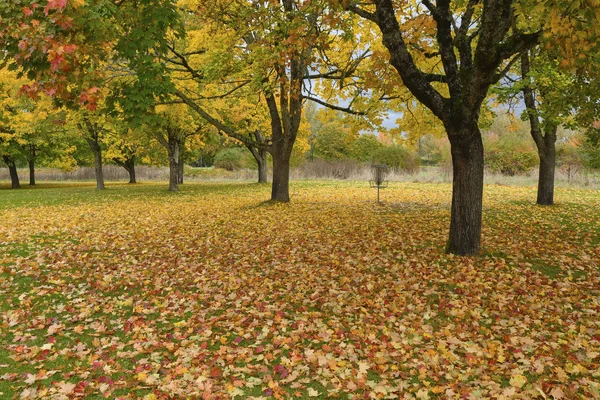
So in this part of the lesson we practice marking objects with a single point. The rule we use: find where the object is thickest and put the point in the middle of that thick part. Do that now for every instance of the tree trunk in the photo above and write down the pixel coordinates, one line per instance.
(467, 193)
(97, 150)
(31, 172)
(280, 189)
(31, 161)
(129, 166)
(173, 164)
(12, 170)
(545, 193)
(180, 163)
(261, 161)
(131, 170)
(260, 155)
(98, 170)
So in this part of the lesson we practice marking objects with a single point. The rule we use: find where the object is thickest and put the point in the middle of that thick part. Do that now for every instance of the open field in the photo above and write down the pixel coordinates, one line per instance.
(135, 292)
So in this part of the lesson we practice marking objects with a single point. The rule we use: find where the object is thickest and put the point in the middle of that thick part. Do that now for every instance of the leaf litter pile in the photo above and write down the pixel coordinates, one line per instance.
(216, 295)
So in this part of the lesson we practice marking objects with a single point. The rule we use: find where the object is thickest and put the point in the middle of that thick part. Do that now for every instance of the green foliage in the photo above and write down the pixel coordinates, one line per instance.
(509, 149)
(397, 158)
(233, 158)
(591, 154)
(332, 143)
(570, 155)
(365, 147)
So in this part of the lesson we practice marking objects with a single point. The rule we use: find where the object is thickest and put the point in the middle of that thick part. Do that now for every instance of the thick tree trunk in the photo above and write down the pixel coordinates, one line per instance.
(545, 193)
(280, 189)
(173, 165)
(131, 170)
(129, 166)
(467, 193)
(32, 172)
(12, 170)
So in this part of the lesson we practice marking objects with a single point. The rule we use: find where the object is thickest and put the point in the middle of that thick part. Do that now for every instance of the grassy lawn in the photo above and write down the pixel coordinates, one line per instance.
(211, 292)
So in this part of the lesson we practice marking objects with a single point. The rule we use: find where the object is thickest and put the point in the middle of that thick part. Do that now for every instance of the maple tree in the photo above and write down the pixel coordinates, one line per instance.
(270, 47)
(475, 42)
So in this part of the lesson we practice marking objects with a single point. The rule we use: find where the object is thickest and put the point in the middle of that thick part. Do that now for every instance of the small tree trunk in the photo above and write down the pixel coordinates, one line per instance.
(545, 193)
(467, 193)
(31, 172)
(97, 150)
(31, 161)
(12, 170)
(173, 164)
(280, 189)
(98, 169)
(260, 155)
(261, 161)
(180, 163)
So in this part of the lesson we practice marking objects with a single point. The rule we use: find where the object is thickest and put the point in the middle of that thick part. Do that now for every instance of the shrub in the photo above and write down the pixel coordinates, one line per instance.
(397, 158)
(365, 147)
(233, 158)
(511, 153)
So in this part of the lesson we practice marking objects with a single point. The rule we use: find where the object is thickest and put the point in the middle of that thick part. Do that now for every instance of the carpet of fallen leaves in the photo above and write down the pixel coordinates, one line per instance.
(212, 294)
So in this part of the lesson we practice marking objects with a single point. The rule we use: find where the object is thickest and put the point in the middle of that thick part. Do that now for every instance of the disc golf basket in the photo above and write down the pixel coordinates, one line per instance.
(378, 174)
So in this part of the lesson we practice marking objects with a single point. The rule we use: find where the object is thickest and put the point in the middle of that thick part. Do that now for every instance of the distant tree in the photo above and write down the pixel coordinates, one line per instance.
(365, 147)
(397, 158)
(508, 149)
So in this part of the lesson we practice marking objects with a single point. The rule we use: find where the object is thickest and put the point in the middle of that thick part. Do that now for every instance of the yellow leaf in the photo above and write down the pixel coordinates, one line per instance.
(518, 381)
(77, 3)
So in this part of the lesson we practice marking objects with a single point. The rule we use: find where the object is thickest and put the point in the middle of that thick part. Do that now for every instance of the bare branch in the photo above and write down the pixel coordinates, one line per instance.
(347, 110)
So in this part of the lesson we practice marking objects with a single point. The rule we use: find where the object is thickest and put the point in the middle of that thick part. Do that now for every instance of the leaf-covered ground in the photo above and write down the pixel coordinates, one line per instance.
(209, 293)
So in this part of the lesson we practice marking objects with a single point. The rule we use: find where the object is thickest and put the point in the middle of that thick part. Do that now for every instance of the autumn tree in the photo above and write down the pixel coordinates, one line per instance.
(274, 49)
(475, 42)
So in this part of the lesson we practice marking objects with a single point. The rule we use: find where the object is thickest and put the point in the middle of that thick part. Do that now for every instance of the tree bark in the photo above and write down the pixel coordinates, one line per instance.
(131, 170)
(31, 162)
(262, 168)
(547, 154)
(173, 150)
(97, 150)
(12, 170)
(280, 188)
(467, 192)
(31, 172)
(260, 155)
(180, 163)
(129, 166)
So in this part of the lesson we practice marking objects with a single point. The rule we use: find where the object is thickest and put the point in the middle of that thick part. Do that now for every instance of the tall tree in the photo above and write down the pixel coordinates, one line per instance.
(474, 42)
(276, 49)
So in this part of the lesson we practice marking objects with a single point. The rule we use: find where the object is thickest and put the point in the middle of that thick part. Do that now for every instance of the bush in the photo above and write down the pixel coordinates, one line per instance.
(511, 153)
(397, 158)
(336, 169)
(233, 159)
(365, 147)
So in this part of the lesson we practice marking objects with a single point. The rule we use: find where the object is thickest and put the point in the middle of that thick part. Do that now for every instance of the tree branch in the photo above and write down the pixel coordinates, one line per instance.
(347, 110)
